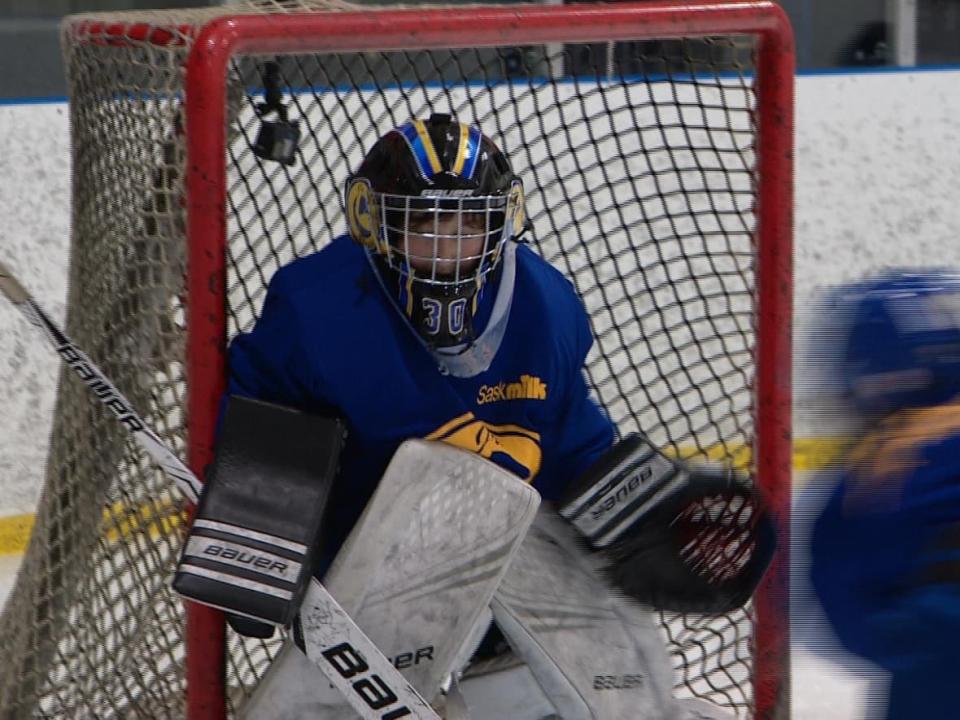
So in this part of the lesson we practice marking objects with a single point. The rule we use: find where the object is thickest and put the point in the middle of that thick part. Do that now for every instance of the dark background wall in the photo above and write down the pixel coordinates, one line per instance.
(825, 28)
(30, 60)
(829, 33)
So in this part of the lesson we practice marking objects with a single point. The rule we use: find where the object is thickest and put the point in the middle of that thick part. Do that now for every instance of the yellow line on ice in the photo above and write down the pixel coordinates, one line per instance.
(809, 455)
(118, 520)
(14, 533)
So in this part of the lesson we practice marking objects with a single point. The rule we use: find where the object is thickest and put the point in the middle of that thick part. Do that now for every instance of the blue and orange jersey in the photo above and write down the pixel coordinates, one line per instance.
(329, 340)
(885, 556)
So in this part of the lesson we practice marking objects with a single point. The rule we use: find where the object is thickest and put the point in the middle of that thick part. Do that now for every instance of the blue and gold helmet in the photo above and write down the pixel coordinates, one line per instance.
(434, 201)
(902, 348)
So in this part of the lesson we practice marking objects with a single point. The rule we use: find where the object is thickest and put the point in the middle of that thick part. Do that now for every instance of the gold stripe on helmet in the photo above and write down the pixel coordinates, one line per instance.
(428, 146)
(462, 149)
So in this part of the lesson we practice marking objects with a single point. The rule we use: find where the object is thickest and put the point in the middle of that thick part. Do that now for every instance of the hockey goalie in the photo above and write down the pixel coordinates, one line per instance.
(452, 356)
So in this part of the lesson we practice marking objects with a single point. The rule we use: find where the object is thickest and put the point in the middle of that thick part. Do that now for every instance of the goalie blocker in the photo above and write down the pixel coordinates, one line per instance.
(674, 536)
(251, 547)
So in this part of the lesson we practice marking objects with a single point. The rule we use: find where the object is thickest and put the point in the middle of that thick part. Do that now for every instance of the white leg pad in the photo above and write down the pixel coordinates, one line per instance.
(294, 689)
(512, 693)
(420, 567)
(596, 655)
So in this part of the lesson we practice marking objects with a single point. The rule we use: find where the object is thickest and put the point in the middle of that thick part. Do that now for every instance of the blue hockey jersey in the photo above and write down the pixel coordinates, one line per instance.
(330, 340)
(885, 558)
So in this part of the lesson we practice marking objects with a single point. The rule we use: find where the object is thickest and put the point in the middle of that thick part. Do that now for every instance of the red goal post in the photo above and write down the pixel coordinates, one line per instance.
(747, 419)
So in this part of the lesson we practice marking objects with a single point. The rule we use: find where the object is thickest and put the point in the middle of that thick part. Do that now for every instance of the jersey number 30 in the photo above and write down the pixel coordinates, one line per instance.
(434, 314)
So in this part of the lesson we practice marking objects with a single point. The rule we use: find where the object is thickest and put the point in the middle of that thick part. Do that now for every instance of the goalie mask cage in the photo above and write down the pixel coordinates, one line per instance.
(654, 141)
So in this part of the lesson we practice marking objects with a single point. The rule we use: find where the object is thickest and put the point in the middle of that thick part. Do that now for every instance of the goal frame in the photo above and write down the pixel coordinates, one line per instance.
(218, 41)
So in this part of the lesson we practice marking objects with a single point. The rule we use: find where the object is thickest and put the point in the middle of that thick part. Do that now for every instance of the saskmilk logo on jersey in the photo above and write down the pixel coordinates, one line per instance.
(528, 387)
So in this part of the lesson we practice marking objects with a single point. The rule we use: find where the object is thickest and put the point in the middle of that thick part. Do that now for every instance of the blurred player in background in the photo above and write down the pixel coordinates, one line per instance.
(885, 549)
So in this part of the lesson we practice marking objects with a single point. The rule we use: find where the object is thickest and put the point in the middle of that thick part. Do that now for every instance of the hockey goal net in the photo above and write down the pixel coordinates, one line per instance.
(654, 141)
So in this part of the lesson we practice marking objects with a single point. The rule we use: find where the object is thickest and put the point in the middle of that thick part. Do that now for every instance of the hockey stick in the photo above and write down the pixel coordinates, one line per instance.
(345, 655)
(100, 386)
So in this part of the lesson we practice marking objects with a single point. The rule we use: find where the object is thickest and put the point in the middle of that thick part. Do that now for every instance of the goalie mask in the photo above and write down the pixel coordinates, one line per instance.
(434, 202)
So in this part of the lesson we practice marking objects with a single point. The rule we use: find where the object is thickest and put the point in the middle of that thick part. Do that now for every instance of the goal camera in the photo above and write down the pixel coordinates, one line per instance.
(278, 138)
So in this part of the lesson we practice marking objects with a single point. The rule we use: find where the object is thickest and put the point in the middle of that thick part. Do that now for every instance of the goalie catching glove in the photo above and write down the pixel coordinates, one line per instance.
(251, 548)
(676, 537)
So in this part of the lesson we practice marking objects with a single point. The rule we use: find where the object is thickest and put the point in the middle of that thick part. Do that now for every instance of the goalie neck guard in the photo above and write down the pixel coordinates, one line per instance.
(434, 201)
